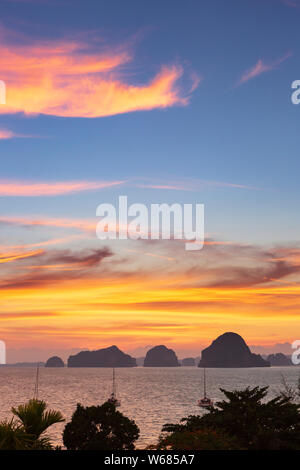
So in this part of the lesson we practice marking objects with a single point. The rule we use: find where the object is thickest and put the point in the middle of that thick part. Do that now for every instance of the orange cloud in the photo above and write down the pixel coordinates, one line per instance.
(65, 79)
(261, 67)
(18, 188)
(9, 257)
(139, 310)
(53, 241)
(156, 294)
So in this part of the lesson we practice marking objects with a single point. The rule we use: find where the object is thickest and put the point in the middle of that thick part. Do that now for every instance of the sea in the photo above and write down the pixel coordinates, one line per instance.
(150, 396)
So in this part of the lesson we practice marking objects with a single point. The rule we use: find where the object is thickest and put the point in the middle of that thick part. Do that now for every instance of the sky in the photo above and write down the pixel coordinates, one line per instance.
(164, 102)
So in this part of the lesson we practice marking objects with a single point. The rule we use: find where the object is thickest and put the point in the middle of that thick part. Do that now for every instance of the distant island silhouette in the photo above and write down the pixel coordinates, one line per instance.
(226, 351)
(188, 362)
(279, 359)
(230, 350)
(161, 356)
(107, 357)
(55, 361)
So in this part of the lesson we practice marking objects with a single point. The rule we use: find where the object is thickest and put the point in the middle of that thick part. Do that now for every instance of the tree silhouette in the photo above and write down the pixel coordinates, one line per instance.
(35, 418)
(13, 436)
(27, 432)
(250, 419)
(100, 428)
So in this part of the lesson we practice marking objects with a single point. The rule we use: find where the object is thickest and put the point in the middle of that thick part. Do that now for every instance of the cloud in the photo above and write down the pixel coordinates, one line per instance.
(83, 225)
(226, 265)
(246, 276)
(66, 78)
(31, 189)
(56, 266)
(291, 3)
(52, 241)
(9, 257)
(188, 184)
(21, 315)
(222, 266)
(43, 188)
(81, 259)
(7, 134)
(92, 294)
(261, 67)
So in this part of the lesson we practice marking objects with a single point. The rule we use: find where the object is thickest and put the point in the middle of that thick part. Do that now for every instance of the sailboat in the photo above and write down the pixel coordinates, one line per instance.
(205, 402)
(113, 397)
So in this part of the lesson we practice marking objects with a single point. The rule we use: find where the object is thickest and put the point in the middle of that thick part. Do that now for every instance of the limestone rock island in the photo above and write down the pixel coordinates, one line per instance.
(230, 350)
(107, 357)
(160, 356)
(55, 361)
(279, 359)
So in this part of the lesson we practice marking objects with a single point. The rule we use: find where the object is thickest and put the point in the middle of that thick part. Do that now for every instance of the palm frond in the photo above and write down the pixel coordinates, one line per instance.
(34, 417)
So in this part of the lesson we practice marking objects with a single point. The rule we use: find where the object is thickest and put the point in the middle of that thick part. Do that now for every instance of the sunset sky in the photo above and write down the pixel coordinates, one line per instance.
(174, 102)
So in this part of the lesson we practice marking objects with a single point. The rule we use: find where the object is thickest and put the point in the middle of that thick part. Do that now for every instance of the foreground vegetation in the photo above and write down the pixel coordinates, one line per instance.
(27, 429)
(244, 420)
(100, 428)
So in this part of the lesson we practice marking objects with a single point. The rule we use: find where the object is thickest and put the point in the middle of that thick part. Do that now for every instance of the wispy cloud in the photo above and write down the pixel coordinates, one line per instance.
(261, 67)
(187, 184)
(52, 241)
(7, 134)
(57, 188)
(64, 78)
(31, 189)
(56, 266)
(83, 225)
(291, 3)
(14, 256)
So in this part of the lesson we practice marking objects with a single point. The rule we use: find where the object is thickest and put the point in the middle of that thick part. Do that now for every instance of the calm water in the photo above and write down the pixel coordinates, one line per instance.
(150, 396)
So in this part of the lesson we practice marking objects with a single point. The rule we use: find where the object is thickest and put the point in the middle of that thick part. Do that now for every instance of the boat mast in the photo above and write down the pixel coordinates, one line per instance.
(204, 382)
(36, 388)
(114, 385)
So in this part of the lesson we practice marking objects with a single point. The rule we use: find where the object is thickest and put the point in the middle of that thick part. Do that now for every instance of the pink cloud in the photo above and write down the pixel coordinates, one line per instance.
(261, 67)
(5, 134)
(19, 188)
(42, 188)
(189, 185)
